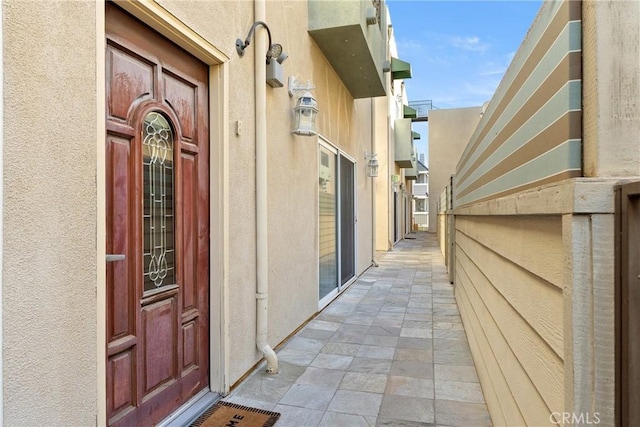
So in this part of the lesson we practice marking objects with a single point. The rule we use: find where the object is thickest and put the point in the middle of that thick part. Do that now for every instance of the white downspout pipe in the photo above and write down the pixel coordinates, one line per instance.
(262, 252)
(373, 186)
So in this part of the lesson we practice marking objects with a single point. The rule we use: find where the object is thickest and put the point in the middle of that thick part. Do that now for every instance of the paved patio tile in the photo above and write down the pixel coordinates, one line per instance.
(291, 416)
(296, 357)
(376, 352)
(371, 366)
(356, 402)
(335, 419)
(344, 349)
(264, 389)
(245, 401)
(452, 357)
(328, 378)
(407, 386)
(411, 368)
(415, 354)
(407, 408)
(412, 342)
(416, 333)
(332, 361)
(316, 334)
(456, 373)
(380, 340)
(324, 325)
(358, 381)
(459, 391)
(461, 414)
(457, 334)
(399, 423)
(306, 344)
(390, 351)
(417, 324)
(384, 331)
(347, 337)
(308, 396)
(448, 326)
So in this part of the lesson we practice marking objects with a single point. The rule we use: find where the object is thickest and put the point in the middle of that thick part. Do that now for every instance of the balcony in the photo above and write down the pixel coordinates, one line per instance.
(422, 109)
(412, 172)
(404, 152)
(350, 36)
(420, 190)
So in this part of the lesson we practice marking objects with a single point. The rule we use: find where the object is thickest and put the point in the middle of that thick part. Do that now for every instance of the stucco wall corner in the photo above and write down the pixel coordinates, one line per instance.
(49, 243)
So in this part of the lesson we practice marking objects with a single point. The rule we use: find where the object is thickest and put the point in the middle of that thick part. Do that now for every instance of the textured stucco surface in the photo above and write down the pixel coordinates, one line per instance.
(449, 133)
(49, 246)
(50, 215)
(292, 169)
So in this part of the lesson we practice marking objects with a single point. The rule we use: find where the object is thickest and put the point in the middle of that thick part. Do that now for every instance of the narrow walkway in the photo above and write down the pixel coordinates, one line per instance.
(390, 351)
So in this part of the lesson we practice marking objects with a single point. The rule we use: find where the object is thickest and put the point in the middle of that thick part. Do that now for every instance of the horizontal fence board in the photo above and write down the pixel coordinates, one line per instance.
(532, 242)
(531, 407)
(538, 302)
(497, 394)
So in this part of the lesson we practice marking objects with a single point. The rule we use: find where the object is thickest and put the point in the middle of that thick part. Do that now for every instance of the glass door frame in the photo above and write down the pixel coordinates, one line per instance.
(324, 143)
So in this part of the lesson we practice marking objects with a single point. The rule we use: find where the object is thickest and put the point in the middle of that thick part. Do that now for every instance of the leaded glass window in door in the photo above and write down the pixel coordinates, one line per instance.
(158, 202)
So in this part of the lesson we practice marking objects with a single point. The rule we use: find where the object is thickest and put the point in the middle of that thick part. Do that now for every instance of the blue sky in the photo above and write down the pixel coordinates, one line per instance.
(458, 50)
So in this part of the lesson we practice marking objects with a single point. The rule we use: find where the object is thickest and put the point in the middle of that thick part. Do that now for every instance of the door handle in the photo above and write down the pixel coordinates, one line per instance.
(115, 257)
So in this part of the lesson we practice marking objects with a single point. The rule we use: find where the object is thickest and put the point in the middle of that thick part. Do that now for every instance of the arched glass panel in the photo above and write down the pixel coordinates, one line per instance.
(158, 171)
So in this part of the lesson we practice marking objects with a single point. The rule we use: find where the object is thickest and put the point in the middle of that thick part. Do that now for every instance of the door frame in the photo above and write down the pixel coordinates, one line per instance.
(324, 142)
(165, 23)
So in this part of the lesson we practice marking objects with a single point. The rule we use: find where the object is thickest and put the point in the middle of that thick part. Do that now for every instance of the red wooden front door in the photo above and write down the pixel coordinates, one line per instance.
(157, 167)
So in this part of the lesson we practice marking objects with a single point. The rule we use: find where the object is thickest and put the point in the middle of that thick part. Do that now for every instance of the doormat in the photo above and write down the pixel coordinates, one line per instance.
(226, 414)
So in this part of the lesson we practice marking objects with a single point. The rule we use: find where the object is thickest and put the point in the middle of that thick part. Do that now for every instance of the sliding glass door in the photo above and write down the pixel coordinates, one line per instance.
(327, 204)
(337, 221)
(347, 220)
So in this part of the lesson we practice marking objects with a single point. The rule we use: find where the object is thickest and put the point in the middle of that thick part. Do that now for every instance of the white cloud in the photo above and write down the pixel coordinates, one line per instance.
(472, 44)
(493, 70)
(406, 46)
(483, 88)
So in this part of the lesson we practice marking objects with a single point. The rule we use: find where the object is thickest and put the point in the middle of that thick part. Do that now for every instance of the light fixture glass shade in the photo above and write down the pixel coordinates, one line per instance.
(305, 114)
(372, 168)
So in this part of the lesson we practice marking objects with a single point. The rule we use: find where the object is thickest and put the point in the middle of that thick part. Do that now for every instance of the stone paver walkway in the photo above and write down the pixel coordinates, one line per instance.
(390, 351)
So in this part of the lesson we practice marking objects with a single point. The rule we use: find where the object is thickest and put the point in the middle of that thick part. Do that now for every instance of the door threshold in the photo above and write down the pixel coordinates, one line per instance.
(191, 410)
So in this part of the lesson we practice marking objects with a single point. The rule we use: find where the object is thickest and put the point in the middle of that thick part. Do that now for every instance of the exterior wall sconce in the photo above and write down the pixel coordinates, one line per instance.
(372, 16)
(395, 183)
(372, 164)
(306, 109)
(275, 75)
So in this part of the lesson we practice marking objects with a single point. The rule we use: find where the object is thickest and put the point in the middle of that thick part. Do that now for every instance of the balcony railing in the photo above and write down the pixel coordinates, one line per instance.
(422, 108)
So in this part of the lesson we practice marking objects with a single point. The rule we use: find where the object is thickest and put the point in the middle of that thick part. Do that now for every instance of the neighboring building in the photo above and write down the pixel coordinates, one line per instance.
(161, 223)
(540, 253)
(421, 197)
(449, 133)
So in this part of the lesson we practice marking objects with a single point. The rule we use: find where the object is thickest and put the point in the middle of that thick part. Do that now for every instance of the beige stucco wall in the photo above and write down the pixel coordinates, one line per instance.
(50, 215)
(292, 170)
(449, 133)
(382, 184)
(49, 245)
